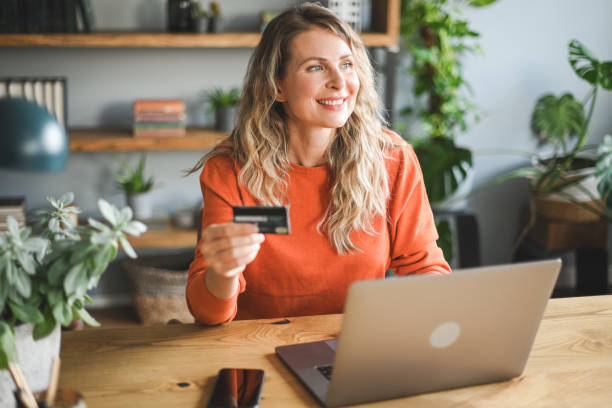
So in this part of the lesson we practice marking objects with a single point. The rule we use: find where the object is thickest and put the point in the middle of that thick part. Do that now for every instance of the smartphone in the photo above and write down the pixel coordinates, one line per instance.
(237, 388)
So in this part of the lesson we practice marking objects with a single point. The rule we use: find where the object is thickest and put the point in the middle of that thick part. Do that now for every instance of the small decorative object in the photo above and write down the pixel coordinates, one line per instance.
(137, 188)
(348, 10)
(45, 273)
(226, 107)
(214, 25)
(180, 14)
(199, 18)
(158, 287)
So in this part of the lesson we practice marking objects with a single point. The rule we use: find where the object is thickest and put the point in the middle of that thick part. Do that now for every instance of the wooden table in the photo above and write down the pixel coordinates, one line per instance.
(175, 365)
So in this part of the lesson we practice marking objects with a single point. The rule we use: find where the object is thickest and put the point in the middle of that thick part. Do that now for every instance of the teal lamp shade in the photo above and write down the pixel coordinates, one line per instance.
(30, 137)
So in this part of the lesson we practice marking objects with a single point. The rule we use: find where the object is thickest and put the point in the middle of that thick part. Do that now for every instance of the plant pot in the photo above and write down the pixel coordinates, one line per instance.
(141, 205)
(215, 24)
(158, 287)
(35, 360)
(201, 24)
(225, 118)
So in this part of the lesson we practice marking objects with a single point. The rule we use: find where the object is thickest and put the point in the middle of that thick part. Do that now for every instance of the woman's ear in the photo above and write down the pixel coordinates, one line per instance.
(280, 95)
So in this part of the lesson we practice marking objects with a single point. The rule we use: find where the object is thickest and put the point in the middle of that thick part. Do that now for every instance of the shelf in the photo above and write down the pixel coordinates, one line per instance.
(156, 40)
(168, 237)
(113, 140)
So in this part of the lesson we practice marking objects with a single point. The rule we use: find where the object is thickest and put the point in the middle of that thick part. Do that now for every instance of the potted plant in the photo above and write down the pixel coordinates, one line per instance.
(572, 181)
(214, 25)
(435, 38)
(45, 273)
(226, 105)
(137, 187)
(199, 17)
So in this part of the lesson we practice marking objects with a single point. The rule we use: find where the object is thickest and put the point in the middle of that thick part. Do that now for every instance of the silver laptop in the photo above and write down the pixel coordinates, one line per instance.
(412, 335)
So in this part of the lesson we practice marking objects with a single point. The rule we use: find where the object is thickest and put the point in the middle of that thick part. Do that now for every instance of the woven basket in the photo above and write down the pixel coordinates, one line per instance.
(158, 287)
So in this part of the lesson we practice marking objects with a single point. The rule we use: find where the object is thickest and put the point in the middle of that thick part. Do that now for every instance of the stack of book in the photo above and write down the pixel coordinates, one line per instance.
(159, 118)
(14, 206)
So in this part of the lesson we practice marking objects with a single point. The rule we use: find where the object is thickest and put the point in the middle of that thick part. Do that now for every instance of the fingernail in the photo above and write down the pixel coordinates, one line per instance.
(261, 237)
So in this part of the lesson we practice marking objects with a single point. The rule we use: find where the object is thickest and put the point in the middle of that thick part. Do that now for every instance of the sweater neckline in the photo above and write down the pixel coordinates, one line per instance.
(324, 168)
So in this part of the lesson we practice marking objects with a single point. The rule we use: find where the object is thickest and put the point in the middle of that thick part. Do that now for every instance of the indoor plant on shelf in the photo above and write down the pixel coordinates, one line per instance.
(136, 187)
(45, 272)
(572, 181)
(435, 38)
(226, 105)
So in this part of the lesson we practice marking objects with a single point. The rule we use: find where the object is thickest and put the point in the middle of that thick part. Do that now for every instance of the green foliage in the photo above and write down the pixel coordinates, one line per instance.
(445, 242)
(603, 170)
(133, 180)
(215, 10)
(556, 120)
(561, 120)
(45, 271)
(436, 156)
(218, 98)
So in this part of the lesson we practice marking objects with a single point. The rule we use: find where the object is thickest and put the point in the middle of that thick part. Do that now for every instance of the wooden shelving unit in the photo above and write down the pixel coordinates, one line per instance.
(385, 33)
(156, 40)
(113, 140)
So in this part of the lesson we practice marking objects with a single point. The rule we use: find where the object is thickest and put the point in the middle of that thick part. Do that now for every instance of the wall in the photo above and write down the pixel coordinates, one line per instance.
(525, 56)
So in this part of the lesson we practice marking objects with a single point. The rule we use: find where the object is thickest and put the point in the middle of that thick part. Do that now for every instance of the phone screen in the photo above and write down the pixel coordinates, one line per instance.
(237, 388)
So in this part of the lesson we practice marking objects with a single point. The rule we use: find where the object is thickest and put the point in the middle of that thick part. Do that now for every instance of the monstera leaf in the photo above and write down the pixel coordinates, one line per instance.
(557, 119)
(588, 67)
(444, 166)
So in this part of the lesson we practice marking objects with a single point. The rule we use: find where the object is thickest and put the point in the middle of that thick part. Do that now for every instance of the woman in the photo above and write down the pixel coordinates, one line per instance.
(309, 136)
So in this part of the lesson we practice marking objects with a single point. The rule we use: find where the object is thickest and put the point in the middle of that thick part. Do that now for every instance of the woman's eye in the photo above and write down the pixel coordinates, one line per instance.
(315, 68)
(347, 65)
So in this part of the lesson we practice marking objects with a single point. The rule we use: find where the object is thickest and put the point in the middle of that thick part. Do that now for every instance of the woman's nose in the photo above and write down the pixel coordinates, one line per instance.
(336, 79)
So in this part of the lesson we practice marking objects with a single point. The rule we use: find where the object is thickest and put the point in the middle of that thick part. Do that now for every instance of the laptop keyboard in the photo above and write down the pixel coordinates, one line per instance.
(326, 370)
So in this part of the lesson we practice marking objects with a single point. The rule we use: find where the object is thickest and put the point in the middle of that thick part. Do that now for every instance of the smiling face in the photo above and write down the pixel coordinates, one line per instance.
(320, 84)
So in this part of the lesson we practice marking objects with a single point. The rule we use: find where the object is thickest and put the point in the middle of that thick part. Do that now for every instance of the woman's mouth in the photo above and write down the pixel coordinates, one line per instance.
(333, 104)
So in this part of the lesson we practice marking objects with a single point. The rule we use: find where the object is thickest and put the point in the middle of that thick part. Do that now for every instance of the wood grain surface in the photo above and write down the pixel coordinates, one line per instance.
(175, 365)
(109, 140)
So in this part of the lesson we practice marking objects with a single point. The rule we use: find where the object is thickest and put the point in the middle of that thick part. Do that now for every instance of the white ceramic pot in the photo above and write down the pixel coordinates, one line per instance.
(35, 360)
(141, 205)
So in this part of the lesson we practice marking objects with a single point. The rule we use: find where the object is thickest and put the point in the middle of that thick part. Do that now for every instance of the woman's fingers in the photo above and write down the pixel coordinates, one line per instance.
(231, 229)
(228, 248)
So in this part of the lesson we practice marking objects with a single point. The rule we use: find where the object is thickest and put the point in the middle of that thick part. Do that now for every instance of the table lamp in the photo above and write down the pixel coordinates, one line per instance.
(30, 137)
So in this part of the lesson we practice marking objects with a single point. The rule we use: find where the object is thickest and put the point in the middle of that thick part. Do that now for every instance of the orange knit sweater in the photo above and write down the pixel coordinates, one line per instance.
(301, 273)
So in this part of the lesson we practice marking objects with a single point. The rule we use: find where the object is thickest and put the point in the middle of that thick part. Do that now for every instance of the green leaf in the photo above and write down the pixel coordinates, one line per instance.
(444, 166)
(76, 277)
(23, 283)
(46, 326)
(481, 3)
(8, 349)
(583, 62)
(98, 225)
(86, 317)
(55, 296)
(26, 313)
(129, 251)
(3, 295)
(56, 271)
(134, 228)
(605, 75)
(27, 262)
(108, 211)
(62, 313)
(66, 199)
(445, 240)
(558, 119)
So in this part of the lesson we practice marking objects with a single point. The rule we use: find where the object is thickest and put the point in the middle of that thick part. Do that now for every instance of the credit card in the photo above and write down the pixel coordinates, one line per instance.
(269, 220)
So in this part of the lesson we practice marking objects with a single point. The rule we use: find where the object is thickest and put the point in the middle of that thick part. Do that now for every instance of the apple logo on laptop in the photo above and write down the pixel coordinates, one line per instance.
(444, 334)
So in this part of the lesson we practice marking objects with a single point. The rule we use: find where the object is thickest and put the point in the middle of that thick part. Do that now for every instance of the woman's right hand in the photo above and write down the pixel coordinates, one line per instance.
(228, 248)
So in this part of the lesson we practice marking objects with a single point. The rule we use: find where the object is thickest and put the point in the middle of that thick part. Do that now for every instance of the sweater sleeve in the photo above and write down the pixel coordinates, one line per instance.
(413, 231)
(220, 193)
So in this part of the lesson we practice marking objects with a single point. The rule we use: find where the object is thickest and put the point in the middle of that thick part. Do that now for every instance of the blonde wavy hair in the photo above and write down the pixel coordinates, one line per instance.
(259, 143)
